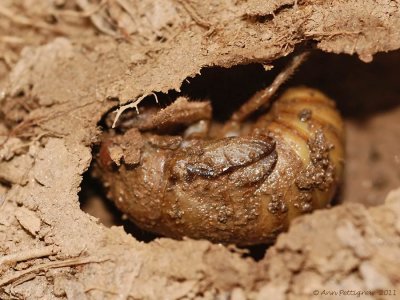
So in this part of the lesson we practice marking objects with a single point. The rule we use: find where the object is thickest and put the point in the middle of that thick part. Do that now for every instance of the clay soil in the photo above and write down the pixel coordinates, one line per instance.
(66, 64)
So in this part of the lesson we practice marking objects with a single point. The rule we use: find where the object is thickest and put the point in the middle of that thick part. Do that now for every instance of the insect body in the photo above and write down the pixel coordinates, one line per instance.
(240, 183)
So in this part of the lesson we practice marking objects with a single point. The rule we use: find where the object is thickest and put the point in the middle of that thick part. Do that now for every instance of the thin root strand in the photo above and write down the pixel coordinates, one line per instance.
(51, 265)
(133, 104)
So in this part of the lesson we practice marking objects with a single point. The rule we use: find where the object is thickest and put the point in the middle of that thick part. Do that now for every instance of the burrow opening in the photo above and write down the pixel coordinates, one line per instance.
(367, 95)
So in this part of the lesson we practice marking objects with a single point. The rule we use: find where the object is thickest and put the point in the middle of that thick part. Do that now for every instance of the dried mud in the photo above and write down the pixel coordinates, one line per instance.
(64, 64)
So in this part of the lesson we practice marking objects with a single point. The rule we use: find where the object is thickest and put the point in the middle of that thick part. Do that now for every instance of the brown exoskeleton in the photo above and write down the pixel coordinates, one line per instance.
(240, 182)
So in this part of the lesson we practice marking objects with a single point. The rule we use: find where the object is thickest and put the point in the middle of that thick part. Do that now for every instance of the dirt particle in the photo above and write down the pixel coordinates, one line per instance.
(320, 172)
(305, 115)
(277, 206)
(28, 220)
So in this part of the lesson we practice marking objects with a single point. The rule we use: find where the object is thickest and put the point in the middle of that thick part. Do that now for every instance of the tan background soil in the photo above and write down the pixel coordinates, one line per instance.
(64, 64)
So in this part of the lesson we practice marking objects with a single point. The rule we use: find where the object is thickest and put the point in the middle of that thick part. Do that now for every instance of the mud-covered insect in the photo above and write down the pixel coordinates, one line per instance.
(178, 173)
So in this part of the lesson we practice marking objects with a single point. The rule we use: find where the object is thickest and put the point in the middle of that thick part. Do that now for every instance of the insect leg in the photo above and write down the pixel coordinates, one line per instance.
(263, 97)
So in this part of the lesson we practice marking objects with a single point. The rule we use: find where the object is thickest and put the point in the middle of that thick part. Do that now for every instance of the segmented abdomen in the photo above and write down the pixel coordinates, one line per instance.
(244, 189)
(309, 133)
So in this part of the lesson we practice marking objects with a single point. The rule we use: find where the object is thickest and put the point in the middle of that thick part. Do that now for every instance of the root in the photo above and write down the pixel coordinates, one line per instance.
(331, 33)
(133, 104)
(194, 14)
(37, 121)
(86, 13)
(11, 40)
(3, 202)
(21, 20)
(27, 254)
(50, 265)
(36, 139)
(97, 19)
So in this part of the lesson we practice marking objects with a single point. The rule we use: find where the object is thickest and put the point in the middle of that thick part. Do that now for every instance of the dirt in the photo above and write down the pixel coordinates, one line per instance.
(65, 63)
